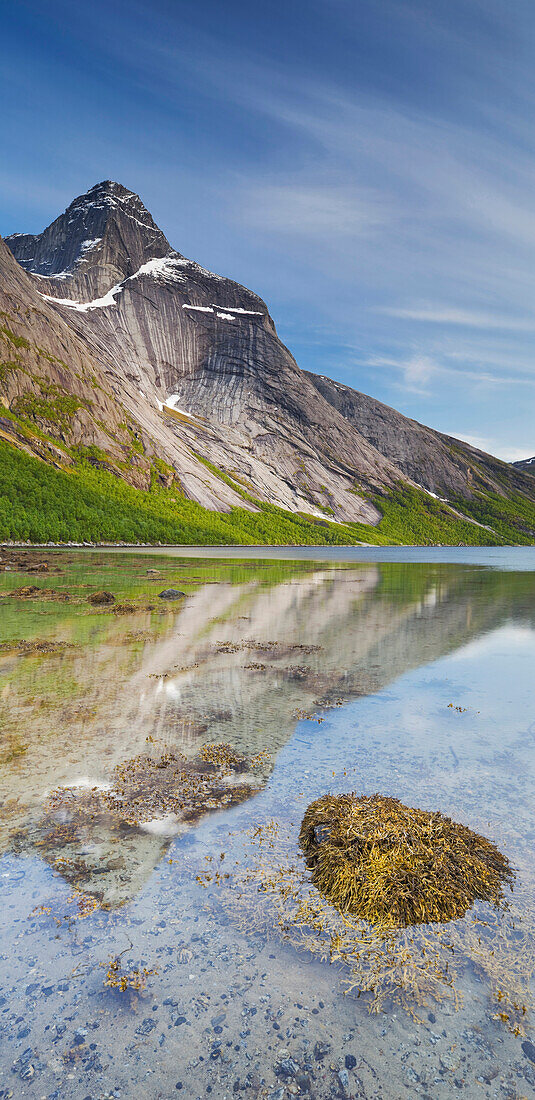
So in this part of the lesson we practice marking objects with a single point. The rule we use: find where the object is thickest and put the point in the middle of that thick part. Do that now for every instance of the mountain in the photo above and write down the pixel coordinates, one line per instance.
(178, 374)
(526, 464)
(182, 336)
(60, 403)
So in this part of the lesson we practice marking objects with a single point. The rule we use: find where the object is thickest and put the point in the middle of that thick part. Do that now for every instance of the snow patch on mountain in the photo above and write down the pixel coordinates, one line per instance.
(225, 313)
(248, 312)
(58, 275)
(87, 245)
(171, 402)
(162, 268)
(431, 494)
(84, 307)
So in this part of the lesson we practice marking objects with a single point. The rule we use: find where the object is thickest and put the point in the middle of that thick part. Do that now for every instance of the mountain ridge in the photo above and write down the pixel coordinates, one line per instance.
(525, 464)
(194, 362)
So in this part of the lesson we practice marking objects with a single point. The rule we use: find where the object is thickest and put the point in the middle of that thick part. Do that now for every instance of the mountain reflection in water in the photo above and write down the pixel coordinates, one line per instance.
(239, 664)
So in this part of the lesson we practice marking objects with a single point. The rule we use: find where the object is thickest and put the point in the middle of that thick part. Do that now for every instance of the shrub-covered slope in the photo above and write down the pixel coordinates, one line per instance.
(41, 503)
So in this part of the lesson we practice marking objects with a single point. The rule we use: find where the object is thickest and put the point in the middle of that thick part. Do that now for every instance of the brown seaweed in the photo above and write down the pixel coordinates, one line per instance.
(389, 863)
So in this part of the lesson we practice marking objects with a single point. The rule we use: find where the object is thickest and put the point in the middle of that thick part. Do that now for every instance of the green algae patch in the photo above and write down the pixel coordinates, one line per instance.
(391, 864)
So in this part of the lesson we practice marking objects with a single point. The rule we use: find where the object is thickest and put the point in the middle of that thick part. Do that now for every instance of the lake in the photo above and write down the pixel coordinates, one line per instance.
(160, 931)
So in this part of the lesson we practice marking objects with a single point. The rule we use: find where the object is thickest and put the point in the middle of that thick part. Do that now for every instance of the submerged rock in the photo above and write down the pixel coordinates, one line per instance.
(171, 594)
(160, 796)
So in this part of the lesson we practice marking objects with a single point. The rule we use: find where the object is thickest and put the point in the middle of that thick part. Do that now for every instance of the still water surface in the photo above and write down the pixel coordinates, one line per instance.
(411, 678)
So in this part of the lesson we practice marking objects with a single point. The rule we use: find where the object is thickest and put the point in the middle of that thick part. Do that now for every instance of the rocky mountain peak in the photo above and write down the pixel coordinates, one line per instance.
(103, 237)
(109, 202)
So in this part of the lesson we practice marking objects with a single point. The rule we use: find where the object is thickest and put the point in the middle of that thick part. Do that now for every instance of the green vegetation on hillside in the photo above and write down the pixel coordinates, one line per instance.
(412, 517)
(17, 341)
(513, 518)
(53, 406)
(41, 503)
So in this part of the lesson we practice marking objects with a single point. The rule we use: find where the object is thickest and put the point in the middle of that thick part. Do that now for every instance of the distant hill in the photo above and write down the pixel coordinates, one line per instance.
(525, 464)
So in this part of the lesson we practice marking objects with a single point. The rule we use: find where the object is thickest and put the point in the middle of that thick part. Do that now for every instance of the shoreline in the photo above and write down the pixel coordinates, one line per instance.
(509, 558)
(259, 546)
(194, 545)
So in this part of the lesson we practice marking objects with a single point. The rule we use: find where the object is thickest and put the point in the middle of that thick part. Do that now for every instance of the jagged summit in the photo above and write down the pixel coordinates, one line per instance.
(108, 198)
(107, 187)
(103, 237)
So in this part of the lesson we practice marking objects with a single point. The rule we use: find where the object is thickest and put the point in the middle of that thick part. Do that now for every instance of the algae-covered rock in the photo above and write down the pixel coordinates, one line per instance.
(101, 599)
(391, 864)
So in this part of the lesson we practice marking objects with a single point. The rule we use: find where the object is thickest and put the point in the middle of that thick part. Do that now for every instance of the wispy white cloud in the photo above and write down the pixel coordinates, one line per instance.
(314, 210)
(415, 373)
(440, 315)
(507, 452)
(418, 371)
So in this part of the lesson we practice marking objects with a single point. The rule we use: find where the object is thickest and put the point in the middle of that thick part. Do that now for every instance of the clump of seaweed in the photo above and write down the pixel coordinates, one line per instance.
(34, 592)
(152, 795)
(23, 648)
(117, 978)
(145, 789)
(275, 649)
(26, 592)
(391, 864)
(101, 598)
(271, 892)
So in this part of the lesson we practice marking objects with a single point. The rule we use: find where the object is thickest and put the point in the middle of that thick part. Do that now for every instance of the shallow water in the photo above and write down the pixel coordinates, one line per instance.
(497, 557)
(413, 678)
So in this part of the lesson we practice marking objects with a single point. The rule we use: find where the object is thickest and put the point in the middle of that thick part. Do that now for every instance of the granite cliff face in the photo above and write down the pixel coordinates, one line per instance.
(192, 364)
(439, 463)
(46, 368)
(50, 377)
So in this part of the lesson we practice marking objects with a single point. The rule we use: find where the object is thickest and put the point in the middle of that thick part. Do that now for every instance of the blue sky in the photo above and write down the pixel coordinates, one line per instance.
(367, 166)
